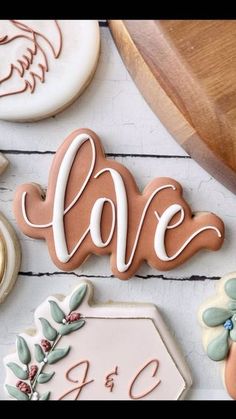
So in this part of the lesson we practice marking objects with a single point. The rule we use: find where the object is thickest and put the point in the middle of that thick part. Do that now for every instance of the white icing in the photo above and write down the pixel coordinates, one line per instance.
(67, 75)
(119, 213)
(163, 224)
(95, 222)
(59, 199)
(122, 218)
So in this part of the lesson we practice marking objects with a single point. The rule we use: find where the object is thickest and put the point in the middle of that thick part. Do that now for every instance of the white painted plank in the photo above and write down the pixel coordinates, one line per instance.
(112, 106)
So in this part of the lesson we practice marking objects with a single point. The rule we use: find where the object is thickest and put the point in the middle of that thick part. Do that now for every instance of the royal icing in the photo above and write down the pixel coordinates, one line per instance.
(45, 64)
(93, 205)
(10, 253)
(218, 320)
(81, 351)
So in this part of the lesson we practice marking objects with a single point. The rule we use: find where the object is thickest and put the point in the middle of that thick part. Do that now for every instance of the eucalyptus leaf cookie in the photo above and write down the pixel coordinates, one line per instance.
(85, 351)
(218, 320)
(45, 65)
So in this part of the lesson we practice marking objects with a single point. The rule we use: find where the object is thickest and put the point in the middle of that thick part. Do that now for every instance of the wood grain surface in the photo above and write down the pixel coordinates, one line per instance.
(114, 108)
(186, 70)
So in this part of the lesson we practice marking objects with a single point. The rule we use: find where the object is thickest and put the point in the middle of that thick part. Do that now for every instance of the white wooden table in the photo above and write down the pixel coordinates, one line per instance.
(113, 107)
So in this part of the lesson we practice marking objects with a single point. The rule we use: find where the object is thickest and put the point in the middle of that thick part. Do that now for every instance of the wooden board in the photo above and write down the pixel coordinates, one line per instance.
(186, 70)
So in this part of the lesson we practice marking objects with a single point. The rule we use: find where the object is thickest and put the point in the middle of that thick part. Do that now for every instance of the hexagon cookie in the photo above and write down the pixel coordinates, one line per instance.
(82, 351)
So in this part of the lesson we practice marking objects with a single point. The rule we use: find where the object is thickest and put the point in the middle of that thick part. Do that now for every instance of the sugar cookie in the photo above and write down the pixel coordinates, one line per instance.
(218, 320)
(45, 65)
(10, 253)
(93, 205)
(81, 351)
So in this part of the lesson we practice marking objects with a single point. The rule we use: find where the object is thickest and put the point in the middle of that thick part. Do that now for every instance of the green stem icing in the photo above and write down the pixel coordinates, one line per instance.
(34, 383)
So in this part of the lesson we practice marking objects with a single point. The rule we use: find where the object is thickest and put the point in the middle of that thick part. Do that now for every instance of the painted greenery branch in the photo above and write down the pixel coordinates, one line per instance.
(47, 352)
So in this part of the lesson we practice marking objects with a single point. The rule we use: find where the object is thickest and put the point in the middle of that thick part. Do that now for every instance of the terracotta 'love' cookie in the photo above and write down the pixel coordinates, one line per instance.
(44, 65)
(93, 205)
(10, 252)
(218, 319)
(81, 351)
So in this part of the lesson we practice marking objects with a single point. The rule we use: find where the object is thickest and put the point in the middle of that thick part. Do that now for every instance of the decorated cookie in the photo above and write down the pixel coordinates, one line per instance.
(45, 65)
(218, 320)
(83, 351)
(10, 253)
(93, 205)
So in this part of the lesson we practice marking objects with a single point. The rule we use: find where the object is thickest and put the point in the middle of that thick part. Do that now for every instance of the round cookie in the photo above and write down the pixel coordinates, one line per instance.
(93, 206)
(10, 251)
(45, 65)
(84, 351)
(10, 255)
(217, 317)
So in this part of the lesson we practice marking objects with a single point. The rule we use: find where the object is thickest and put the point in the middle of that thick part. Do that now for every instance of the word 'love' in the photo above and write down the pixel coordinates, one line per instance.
(93, 205)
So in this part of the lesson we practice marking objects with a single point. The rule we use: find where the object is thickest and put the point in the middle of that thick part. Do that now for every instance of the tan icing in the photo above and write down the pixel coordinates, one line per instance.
(10, 253)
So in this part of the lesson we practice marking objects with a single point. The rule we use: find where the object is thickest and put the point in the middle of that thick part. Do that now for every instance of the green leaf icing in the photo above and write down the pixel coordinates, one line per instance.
(65, 329)
(57, 314)
(18, 371)
(218, 348)
(45, 377)
(230, 288)
(215, 316)
(57, 354)
(232, 305)
(45, 396)
(39, 354)
(17, 394)
(23, 350)
(49, 332)
(77, 297)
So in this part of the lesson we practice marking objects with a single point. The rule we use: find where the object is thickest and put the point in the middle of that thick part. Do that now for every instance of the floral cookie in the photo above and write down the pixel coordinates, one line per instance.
(81, 351)
(218, 319)
(93, 205)
(45, 65)
(10, 253)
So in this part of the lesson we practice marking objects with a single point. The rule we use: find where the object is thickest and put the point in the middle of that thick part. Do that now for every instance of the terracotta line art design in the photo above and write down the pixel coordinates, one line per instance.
(22, 67)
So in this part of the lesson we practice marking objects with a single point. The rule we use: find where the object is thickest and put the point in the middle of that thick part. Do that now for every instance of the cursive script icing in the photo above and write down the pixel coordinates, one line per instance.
(23, 67)
(109, 379)
(81, 371)
(107, 187)
(80, 384)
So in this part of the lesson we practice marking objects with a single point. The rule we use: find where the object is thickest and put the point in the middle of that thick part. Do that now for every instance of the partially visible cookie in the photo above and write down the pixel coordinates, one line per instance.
(218, 320)
(45, 65)
(85, 351)
(10, 252)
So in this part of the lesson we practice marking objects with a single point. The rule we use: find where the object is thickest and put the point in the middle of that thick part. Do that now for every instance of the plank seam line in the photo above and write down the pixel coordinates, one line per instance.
(103, 24)
(151, 156)
(58, 273)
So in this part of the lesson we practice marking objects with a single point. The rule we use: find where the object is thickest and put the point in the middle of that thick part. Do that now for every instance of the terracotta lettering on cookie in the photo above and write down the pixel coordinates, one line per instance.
(79, 384)
(109, 380)
(93, 205)
(32, 63)
(132, 395)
